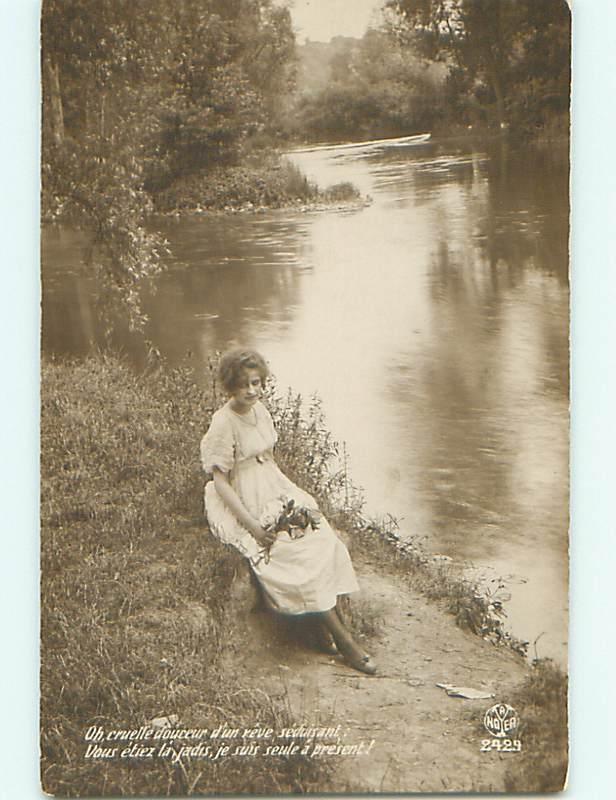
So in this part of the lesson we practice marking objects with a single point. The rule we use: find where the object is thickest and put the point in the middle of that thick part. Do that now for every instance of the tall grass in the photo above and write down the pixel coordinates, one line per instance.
(542, 704)
(134, 594)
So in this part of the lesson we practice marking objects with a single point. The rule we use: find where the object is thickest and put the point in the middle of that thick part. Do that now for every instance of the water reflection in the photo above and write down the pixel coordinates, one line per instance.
(432, 323)
(227, 278)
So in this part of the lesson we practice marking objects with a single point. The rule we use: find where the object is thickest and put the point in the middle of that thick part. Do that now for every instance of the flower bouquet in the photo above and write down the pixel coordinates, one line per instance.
(284, 515)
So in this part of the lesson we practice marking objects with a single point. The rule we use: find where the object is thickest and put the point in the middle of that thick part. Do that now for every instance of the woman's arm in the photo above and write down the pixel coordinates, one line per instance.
(231, 499)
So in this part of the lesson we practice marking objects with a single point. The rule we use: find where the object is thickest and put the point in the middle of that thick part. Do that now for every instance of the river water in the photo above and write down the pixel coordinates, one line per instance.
(433, 323)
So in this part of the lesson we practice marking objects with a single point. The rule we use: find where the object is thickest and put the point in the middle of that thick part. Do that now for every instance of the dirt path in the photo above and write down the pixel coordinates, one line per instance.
(424, 740)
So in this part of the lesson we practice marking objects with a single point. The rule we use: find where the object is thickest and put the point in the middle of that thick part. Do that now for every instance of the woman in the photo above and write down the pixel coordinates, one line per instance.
(301, 571)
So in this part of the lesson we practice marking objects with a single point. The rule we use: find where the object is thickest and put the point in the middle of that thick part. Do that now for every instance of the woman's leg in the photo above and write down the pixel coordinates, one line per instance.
(349, 648)
(323, 638)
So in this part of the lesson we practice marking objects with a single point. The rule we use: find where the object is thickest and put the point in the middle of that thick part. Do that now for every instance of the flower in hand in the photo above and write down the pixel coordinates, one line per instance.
(284, 515)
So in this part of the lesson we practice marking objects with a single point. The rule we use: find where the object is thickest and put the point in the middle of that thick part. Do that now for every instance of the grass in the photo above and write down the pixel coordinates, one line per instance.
(542, 704)
(134, 596)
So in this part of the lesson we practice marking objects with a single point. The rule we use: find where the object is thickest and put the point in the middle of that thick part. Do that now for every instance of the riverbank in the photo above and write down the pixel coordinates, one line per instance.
(263, 181)
(144, 617)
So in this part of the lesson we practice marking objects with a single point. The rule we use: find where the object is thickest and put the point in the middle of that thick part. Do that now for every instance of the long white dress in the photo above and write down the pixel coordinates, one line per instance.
(302, 575)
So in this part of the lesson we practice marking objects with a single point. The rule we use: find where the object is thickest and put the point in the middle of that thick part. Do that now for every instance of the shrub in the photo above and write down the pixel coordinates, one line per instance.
(264, 182)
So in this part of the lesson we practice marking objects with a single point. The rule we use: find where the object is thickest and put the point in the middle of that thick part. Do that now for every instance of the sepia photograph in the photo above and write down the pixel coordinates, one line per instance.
(304, 496)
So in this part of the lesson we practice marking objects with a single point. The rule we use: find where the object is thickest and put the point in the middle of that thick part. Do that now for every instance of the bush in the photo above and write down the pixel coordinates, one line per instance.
(341, 192)
(263, 182)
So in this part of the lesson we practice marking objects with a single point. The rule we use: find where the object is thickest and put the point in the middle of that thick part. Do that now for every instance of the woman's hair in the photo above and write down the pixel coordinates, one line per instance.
(234, 362)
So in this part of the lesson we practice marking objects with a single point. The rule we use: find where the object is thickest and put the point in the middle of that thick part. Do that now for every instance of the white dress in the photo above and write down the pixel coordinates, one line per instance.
(302, 575)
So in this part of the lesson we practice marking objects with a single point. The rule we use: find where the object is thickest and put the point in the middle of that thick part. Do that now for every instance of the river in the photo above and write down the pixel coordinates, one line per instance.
(433, 323)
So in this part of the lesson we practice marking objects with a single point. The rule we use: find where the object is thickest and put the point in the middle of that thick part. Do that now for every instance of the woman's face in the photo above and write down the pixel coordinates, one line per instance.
(248, 392)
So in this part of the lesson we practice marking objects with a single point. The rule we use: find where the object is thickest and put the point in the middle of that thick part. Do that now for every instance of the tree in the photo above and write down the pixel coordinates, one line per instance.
(487, 43)
(234, 62)
(101, 63)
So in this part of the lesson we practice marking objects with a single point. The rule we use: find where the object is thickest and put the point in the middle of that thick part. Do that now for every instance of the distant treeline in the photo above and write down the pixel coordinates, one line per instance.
(440, 65)
(363, 88)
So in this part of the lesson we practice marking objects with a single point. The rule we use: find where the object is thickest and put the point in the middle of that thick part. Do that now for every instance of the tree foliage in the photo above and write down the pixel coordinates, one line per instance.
(235, 60)
(435, 64)
(376, 87)
(510, 57)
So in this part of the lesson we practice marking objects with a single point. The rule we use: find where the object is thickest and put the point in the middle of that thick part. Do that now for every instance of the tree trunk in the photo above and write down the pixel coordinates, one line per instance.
(497, 88)
(500, 104)
(54, 109)
(496, 62)
(102, 117)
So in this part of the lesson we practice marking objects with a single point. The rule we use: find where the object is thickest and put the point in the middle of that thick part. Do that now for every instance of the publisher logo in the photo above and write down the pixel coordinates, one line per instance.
(501, 720)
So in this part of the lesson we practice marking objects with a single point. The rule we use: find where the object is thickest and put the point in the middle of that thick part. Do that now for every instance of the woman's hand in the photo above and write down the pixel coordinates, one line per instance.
(263, 537)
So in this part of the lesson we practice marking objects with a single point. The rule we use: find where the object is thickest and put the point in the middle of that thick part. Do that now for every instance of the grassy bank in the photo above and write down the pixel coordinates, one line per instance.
(542, 703)
(136, 597)
(266, 181)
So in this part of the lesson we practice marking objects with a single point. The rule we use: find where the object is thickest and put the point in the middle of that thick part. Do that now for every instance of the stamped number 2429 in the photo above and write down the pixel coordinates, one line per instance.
(501, 745)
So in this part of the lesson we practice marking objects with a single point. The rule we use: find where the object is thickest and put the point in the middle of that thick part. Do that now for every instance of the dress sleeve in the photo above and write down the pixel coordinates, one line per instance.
(218, 445)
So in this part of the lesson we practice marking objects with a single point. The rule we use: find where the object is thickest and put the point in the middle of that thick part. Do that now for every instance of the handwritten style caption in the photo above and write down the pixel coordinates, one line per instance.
(176, 743)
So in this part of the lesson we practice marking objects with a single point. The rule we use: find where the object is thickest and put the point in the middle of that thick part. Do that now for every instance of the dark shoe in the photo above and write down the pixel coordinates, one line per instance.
(363, 664)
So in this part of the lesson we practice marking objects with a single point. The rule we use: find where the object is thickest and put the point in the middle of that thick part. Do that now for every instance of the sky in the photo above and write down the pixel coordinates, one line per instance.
(319, 20)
